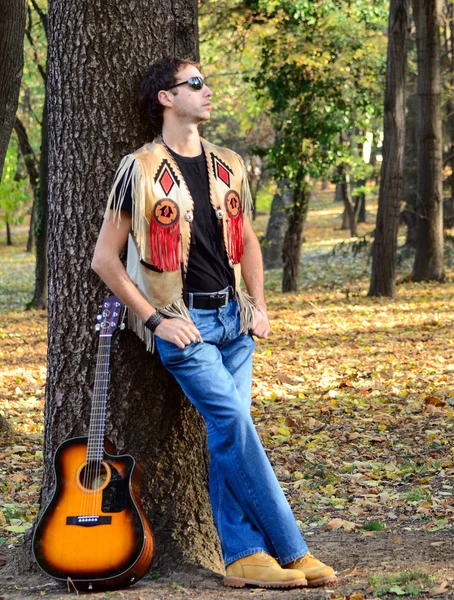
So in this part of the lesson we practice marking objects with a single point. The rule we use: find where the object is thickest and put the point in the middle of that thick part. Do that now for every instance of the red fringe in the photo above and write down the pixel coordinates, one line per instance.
(235, 242)
(165, 248)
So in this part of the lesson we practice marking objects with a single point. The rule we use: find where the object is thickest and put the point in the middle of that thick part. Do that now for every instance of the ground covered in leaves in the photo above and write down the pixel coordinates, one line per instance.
(352, 398)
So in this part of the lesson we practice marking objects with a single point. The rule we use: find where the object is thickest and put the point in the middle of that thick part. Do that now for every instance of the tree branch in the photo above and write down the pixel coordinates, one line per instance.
(42, 15)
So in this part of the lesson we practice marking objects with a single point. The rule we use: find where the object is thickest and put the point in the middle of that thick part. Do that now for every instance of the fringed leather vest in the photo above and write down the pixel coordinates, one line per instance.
(162, 216)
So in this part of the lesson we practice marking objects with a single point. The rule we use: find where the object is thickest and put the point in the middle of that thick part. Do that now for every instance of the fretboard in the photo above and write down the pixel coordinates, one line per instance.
(96, 430)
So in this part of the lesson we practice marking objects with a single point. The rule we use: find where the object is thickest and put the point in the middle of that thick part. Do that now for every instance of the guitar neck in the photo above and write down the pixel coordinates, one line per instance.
(96, 430)
(109, 320)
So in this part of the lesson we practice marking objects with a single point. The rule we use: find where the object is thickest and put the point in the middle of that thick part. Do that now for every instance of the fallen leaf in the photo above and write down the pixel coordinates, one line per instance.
(338, 523)
(440, 589)
(284, 378)
(434, 401)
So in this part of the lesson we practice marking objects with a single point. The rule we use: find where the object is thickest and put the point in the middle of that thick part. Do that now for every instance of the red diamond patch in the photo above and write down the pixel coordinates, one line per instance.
(223, 174)
(166, 182)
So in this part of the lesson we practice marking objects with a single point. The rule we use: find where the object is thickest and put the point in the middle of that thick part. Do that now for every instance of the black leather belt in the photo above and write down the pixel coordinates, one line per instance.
(215, 300)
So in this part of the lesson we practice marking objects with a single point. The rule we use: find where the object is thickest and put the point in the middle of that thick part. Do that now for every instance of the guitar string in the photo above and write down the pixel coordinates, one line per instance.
(102, 406)
(99, 419)
(95, 443)
(93, 465)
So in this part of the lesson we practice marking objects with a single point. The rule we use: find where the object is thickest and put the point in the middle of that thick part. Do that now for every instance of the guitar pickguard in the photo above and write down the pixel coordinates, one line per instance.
(115, 495)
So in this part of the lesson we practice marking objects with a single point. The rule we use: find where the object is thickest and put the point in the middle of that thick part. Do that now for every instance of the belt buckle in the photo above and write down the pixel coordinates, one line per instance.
(225, 296)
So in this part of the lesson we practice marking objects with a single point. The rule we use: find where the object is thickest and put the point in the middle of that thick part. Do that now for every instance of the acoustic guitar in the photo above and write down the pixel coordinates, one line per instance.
(94, 534)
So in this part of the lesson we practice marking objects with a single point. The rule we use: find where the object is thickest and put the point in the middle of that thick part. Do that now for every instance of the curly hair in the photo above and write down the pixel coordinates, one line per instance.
(160, 76)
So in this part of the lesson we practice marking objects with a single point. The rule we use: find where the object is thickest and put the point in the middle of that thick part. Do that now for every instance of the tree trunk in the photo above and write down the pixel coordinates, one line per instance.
(12, 27)
(360, 208)
(348, 217)
(40, 293)
(429, 248)
(449, 51)
(9, 239)
(32, 227)
(5, 427)
(408, 216)
(391, 180)
(32, 169)
(277, 223)
(98, 52)
(291, 249)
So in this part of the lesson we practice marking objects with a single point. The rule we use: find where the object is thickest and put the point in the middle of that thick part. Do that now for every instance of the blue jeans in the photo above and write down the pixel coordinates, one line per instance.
(250, 510)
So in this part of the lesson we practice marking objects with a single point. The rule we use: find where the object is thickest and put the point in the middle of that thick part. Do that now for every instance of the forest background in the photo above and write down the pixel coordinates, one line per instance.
(352, 394)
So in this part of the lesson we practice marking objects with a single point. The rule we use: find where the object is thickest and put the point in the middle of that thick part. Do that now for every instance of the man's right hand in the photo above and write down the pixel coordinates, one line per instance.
(178, 332)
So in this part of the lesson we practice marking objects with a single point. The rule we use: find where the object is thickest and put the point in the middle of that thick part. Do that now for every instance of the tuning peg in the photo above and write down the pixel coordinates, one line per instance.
(98, 327)
(99, 317)
(122, 326)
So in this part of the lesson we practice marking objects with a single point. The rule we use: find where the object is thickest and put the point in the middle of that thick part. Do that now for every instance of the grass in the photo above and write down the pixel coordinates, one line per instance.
(17, 269)
(410, 583)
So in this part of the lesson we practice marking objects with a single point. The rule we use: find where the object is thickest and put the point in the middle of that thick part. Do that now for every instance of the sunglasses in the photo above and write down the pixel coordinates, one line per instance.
(196, 83)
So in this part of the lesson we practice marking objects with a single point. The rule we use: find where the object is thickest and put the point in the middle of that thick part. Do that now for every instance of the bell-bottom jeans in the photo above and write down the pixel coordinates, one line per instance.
(250, 510)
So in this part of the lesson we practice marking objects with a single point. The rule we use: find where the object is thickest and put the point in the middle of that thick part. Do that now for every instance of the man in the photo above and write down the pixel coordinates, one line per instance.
(185, 205)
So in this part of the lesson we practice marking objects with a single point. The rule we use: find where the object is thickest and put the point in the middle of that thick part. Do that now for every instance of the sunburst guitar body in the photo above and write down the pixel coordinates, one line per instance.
(94, 533)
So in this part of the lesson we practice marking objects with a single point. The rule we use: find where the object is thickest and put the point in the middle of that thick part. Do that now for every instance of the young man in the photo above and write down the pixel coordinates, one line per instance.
(185, 204)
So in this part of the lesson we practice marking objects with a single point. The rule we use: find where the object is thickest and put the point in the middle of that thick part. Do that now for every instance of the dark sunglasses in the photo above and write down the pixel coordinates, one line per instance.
(196, 83)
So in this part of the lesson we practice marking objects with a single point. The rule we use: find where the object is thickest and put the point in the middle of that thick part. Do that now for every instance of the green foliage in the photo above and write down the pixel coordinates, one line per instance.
(31, 97)
(322, 71)
(374, 526)
(409, 582)
(14, 191)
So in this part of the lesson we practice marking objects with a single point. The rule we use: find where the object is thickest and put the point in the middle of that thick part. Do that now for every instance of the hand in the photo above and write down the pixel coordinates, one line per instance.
(260, 324)
(178, 332)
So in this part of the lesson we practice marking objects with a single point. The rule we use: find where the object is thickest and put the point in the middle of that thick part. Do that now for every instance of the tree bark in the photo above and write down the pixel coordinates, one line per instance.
(348, 217)
(12, 27)
(32, 227)
(98, 52)
(391, 180)
(429, 248)
(408, 215)
(360, 207)
(9, 239)
(449, 62)
(277, 223)
(31, 165)
(5, 426)
(291, 249)
(40, 293)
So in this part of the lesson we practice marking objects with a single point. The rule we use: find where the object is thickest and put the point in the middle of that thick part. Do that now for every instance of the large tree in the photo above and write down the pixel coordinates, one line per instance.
(12, 27)
(319, 67)
(98, 51)
(429, 246)
(391, 180)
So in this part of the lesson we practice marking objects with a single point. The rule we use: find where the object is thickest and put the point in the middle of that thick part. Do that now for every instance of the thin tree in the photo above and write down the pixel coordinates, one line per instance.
(98, 52)
(12, 27)
(392, 177)
(40, 293)
(429, 246)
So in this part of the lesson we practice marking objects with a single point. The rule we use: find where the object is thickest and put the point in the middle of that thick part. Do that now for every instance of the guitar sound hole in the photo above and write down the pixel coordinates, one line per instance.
(94, 476)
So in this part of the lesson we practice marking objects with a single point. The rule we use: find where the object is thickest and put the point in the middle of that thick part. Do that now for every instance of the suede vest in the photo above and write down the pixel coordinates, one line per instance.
(162, 216)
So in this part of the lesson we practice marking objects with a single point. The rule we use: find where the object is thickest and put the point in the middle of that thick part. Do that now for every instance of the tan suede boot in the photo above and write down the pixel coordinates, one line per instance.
(262, 570)
(316, 572)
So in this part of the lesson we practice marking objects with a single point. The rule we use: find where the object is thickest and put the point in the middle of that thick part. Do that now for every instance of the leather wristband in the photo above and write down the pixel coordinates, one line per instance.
(152, 322)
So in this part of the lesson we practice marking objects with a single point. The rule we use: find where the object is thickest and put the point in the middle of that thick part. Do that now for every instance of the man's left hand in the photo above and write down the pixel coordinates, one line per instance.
(260, 325)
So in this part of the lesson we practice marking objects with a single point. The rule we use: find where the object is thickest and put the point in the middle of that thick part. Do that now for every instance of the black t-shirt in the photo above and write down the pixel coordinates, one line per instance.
(208, 267)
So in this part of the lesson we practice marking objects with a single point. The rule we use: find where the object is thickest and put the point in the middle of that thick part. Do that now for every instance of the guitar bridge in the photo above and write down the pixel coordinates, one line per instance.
(88, 520)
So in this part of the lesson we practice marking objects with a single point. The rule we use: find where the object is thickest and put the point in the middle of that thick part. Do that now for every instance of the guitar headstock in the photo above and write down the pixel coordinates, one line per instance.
(110, 317)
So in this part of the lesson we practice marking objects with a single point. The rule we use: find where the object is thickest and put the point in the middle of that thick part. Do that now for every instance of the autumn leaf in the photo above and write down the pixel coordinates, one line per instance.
(341, 524)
